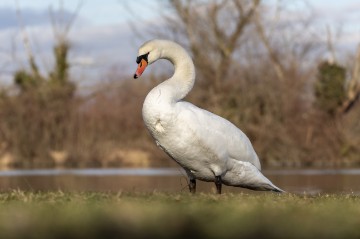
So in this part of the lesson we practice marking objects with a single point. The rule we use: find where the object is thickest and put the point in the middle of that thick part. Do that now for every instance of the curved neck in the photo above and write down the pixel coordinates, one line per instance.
(183, 79)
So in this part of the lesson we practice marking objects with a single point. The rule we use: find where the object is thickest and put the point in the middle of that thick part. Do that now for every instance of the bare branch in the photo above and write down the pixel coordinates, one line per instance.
(330, 45)
(353, 90)
(279, 69)
(62, 29)
(73, 17)
(243, 21)
(26, 42)
(218, 32)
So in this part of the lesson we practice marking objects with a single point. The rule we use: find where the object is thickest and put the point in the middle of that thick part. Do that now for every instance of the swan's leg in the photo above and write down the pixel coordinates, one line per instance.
(192, 181)
(218, 184)
(192, 185)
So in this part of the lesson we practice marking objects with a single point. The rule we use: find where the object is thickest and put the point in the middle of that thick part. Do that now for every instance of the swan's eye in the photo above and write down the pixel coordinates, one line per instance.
(144, 56)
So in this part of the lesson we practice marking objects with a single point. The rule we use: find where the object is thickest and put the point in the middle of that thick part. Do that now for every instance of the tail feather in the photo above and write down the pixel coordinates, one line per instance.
(277, 189)
(246, 175)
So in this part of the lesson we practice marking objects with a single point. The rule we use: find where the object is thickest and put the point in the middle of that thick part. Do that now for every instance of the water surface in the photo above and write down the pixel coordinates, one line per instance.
(308, 181)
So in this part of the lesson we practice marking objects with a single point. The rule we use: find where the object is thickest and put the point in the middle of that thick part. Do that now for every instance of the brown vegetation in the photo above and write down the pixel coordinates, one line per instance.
(295, 114)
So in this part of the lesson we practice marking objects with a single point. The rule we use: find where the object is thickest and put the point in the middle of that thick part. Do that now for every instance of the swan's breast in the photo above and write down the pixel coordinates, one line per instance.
(157, 112)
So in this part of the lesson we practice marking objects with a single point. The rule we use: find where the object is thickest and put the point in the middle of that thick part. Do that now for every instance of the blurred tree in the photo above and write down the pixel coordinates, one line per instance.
(329, 87)
(37, 117)
(212, 31)
(228, 38)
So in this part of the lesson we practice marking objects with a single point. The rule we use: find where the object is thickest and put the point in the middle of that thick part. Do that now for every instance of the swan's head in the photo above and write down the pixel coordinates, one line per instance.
(149, 52)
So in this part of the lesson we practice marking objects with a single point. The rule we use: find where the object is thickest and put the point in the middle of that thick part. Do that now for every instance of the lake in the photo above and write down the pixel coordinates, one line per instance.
(305, 181)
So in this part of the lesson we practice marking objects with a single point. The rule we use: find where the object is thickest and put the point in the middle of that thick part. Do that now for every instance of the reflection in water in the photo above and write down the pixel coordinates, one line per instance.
(171, 180)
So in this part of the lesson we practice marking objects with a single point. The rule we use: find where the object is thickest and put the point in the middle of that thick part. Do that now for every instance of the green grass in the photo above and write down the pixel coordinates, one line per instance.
(158, 215)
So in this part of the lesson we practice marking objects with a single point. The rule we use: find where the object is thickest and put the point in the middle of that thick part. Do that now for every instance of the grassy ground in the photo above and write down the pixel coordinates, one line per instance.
(157, 215)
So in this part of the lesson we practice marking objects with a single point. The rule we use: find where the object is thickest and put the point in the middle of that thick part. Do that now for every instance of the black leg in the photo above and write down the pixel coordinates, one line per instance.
(192, 185)
(218, 184)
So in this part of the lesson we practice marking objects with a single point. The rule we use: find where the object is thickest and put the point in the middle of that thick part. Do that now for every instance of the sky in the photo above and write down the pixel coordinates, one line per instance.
(102, 39)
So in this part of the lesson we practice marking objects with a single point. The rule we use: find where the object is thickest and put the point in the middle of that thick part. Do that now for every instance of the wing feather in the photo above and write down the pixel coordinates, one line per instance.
(218, 134)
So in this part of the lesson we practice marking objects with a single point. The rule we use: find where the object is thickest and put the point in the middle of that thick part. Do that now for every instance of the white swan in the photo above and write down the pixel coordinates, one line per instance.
(208, 147)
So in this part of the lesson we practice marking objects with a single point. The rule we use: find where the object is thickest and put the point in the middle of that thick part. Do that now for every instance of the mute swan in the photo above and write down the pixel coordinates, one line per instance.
(208, 147)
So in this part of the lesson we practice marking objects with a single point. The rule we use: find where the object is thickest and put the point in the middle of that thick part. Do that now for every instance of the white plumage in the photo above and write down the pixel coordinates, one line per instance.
(208, 147)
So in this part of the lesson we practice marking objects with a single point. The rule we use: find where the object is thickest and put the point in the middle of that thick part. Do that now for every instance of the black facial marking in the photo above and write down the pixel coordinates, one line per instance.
(145, 57)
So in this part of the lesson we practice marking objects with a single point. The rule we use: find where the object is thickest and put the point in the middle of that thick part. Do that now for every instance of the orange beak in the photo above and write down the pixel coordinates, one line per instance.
(141, 68)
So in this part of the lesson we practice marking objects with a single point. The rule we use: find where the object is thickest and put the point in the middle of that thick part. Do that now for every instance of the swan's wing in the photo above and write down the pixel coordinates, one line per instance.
(217, 133)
